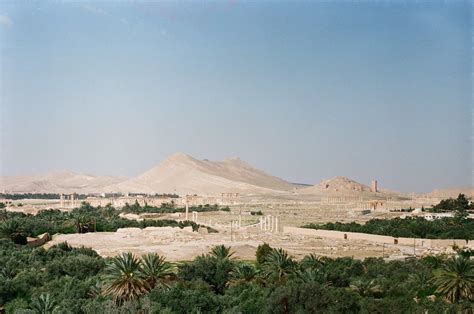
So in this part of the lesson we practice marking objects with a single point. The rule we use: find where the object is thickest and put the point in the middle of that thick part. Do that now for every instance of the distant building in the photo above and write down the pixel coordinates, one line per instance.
(373, 186)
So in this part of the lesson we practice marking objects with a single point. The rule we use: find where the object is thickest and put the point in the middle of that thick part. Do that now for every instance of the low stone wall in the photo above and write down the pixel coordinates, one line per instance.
(427, 243)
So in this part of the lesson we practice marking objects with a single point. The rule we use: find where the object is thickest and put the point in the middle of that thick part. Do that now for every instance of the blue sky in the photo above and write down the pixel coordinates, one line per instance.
(303, 90)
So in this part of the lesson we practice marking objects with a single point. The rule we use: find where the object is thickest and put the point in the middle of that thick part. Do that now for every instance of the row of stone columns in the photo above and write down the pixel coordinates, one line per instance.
(236, 224)
(340, 199)
(365, 206)
(269, 223)
(334, 199)
(69, 198)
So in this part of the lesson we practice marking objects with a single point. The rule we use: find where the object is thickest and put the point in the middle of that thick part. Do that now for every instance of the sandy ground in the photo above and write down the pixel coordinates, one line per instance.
(178, 245)
(294, 215)
(183, 244)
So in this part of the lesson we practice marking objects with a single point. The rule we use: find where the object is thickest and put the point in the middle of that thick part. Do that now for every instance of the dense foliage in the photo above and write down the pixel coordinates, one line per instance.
(459, 205)
(18, 226)
(410, 227)
(167, 208)
(77, 280)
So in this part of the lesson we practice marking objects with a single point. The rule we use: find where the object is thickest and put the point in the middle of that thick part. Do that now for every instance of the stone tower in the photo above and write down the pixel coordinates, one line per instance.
(373, 186)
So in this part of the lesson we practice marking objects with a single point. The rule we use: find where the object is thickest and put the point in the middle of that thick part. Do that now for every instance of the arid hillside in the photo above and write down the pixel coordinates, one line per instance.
(58, 182)
(338, 184)
(183, 174)
(343, 186)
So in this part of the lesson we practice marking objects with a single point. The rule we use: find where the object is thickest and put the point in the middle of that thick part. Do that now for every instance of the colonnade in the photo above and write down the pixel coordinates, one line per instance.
(269, 223)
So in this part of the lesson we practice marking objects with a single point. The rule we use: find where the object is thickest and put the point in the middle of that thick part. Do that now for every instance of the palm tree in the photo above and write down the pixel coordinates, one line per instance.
(221, 252)
(44, 305)
(432, 260)
(309, 275)
(243, 272)
(279, 265)
(156, 270)
(124, 279)
(83, 223)
(94, 290)
(312, 261)
(455, 280)
(421, 281)
(366, 288)
(12, 229)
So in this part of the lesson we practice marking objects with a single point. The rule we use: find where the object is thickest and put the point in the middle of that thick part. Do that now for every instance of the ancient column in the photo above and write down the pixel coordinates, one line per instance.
(187, 207)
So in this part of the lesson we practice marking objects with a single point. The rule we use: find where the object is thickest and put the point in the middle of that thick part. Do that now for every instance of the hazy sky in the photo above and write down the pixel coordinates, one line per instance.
(303, 90)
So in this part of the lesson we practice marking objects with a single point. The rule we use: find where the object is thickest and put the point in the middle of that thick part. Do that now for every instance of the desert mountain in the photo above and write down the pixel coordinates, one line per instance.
(336, 185)
(57, 182)
(183, 174)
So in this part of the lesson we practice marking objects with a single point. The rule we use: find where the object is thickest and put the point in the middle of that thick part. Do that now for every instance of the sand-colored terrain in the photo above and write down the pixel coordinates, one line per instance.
(182, 245)
(182, 174)
(57, 182)
(253, 191)
(337, 184)
(177, 244)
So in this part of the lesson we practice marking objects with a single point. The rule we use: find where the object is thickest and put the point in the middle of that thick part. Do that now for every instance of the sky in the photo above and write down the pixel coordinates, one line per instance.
(304, 90)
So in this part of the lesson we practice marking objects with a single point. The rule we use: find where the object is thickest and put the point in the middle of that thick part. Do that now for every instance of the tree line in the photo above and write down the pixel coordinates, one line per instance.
(410, 227)
(18, 226)
(459, 205)
(168, 208)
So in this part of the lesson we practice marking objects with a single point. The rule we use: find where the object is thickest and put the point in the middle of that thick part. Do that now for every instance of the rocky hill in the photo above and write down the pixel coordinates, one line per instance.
(183, 174)
(336, 185)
